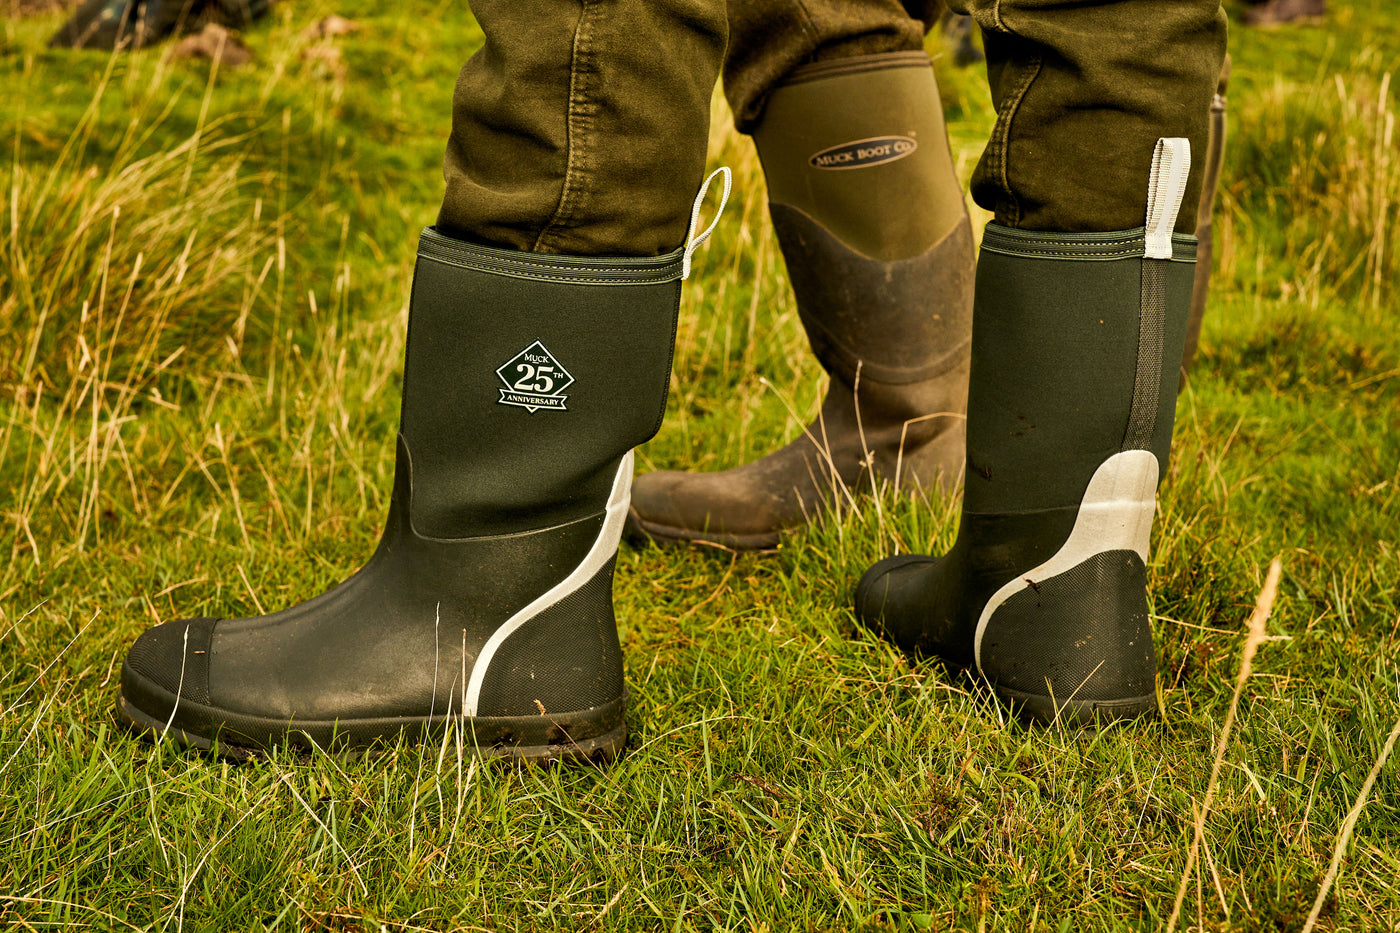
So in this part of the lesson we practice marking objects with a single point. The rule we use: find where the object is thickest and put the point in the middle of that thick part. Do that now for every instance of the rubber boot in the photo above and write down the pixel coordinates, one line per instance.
(528, 380)
(1205, 224)
(1076, 348)
(110, 24)
(97, 24)
(957, 30)
(237, 14)
(873, 228)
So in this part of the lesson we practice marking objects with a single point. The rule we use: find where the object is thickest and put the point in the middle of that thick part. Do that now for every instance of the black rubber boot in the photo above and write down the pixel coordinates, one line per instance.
(1076, 348)
(97, 24)
(529, 379)
(873, 227)
(237, 14)
(957, 30)
(111, 24)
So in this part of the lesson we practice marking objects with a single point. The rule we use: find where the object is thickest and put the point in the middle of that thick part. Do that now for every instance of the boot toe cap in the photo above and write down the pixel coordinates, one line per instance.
(891, 600)
(169, 662)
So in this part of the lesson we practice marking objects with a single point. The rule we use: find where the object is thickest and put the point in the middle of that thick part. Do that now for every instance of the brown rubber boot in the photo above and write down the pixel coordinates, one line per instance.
(871, 220)
(1205, 227)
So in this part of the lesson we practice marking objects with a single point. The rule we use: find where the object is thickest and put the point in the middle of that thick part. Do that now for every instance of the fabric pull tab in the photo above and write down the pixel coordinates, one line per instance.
(693, 240)
(1171, 166)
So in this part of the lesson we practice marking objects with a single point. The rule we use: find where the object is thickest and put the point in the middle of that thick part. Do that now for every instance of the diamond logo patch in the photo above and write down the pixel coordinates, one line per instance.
(534, 380)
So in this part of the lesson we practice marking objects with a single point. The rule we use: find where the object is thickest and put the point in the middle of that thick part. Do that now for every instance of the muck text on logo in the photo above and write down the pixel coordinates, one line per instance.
(534, 380)
(863, 153)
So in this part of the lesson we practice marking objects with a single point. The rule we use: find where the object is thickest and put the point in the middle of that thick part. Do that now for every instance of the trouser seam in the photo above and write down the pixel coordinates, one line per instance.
(1000, 141)
(577, 112)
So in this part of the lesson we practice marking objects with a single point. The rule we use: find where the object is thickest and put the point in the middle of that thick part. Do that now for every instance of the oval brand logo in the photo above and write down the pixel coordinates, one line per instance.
(863, 153)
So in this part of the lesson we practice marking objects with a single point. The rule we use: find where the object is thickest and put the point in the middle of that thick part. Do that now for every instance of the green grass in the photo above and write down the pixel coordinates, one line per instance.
(202, 299)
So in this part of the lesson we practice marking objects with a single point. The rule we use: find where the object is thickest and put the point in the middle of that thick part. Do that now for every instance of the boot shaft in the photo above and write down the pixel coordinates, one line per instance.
(527, 378)
(871, 220)
(859, 145)
(1075, 344)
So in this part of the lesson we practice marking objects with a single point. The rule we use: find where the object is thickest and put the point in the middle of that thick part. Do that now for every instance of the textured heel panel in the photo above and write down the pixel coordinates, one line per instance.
(1081, 636)
(1114, 515)
(1077, 623)
(563, 660)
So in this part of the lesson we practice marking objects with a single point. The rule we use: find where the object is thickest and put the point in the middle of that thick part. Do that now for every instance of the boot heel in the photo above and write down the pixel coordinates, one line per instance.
(1077, 645)
(1072, 636)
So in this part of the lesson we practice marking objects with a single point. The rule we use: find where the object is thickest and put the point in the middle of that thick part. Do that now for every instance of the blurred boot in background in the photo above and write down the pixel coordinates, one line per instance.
(113, 24)
(958, 30)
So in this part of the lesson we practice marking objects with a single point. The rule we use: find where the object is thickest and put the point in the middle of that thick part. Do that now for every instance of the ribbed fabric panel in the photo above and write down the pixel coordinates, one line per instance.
(1147, 382)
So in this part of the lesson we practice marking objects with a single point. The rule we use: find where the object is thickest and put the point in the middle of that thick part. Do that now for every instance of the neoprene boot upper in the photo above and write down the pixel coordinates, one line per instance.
(488, 603)
(1076, 347)
(874, 232)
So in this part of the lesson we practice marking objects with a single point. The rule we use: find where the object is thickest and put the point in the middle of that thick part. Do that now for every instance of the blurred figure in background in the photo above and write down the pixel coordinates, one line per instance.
(958, 30)
(112, 24)
(1278, 12)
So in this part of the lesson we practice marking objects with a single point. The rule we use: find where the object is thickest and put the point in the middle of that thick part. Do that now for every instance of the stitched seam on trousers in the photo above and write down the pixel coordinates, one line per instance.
(575, 115)
(1002, 135)
(1001, 132)
(997, 21)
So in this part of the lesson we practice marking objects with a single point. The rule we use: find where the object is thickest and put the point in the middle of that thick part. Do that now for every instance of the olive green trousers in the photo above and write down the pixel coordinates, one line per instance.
(580, 126)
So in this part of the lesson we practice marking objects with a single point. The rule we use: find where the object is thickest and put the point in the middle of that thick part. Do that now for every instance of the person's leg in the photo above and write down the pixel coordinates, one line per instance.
(1084, 282)
(541, 330)
(843, 107)
(580, 127)
(769, 39)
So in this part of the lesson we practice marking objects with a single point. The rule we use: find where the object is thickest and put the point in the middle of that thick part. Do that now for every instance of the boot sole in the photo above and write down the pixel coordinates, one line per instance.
(543, 738)
(1040, 710)
(641, 530)
(1048, 711)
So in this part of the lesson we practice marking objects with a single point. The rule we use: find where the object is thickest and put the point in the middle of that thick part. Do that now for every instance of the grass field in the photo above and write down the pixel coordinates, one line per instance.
(202, 297)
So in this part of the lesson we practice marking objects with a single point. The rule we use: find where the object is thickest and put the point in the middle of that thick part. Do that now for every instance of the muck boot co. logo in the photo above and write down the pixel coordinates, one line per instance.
(862, 153)
(534, 380)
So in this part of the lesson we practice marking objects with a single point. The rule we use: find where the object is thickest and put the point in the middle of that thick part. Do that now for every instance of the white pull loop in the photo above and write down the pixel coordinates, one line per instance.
(1171, 167)
(692, 240)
